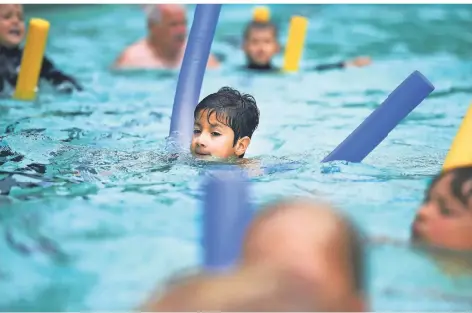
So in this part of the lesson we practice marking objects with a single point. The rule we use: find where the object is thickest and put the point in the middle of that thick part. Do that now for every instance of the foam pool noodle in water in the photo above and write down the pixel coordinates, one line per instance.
(295, 43)
(227, 213)
(261, 14)
(192, 72)
(377, 126)
(32, 60)
(460, 153)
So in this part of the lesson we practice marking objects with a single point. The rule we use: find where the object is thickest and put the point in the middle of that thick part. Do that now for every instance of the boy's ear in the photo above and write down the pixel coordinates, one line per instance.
(278, 48)
(241, 145)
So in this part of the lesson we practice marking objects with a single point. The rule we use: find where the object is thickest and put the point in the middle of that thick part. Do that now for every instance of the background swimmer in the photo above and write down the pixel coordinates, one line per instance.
(261, 44)
(165, 44)
(12, 32)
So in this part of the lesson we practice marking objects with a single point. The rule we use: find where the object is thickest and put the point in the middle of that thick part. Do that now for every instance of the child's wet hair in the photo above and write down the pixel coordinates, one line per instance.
(234, 109)
(260, 25)
(460, 176)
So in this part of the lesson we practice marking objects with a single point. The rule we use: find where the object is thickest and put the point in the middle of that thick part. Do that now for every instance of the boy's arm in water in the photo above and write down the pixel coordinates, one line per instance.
(57, 78)
(330, 66)
(357, 62)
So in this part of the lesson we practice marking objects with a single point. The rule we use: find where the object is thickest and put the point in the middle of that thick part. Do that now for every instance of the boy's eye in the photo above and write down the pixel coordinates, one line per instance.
(216, 134)
(196, 131)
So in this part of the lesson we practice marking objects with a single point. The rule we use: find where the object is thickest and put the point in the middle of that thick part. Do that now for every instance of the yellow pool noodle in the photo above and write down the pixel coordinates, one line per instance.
(261, 14)
(32, 60)
(295, 43)
(460, 153)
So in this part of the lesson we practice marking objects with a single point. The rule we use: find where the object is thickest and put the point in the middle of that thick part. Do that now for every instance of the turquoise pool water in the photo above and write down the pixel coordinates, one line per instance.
(110, 239)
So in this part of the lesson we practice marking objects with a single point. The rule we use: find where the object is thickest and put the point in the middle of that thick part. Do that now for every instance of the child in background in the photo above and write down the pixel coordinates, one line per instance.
(261, 44)
(223, 125)
(12, 32)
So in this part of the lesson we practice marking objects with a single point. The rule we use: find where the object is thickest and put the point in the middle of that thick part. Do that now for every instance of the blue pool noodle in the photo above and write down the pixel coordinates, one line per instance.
(192, 71)
(227, 213)
(367, 136)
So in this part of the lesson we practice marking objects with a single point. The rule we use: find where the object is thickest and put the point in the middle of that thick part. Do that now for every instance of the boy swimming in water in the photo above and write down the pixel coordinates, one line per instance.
(223, 125)
(12, 32)
(261, 44)
(445, 217)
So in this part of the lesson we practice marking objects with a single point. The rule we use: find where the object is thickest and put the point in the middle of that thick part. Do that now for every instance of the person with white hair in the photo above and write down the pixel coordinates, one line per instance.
(165, 44)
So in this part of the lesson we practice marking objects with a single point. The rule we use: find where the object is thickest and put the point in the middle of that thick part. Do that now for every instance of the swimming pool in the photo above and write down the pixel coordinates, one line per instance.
(115, 237)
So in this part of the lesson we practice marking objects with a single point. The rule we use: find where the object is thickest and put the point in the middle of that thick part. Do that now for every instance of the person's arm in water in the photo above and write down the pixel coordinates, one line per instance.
(57, 78)
(357, 62)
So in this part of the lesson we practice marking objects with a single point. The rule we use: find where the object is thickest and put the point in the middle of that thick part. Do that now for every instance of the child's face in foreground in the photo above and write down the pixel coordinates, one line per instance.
(12, 26)
(261, 45)
(212, 138)
(443, 220)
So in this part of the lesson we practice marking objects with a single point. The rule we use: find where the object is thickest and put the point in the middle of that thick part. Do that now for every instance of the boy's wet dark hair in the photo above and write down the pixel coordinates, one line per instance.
(460, 176)
(234, 109)
(260, 25)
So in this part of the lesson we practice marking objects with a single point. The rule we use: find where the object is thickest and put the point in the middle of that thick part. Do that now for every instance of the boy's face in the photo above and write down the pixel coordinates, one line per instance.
(443, 220)
(261, 45)
(12, 26)
(213, 139)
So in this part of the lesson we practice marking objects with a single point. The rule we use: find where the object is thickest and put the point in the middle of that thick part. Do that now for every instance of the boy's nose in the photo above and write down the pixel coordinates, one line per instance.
(16, 18)
(202, 140)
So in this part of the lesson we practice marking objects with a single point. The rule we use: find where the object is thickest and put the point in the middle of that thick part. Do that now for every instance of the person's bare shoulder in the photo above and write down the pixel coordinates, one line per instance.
(132, 56)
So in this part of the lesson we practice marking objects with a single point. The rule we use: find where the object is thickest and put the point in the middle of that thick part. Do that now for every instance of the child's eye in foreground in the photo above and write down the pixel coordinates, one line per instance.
(196, 131)
(216, 134)
(446, 211)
